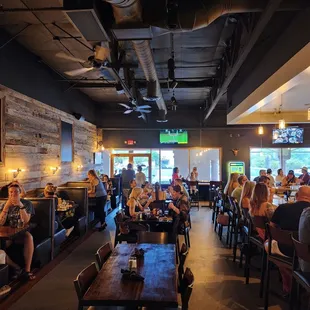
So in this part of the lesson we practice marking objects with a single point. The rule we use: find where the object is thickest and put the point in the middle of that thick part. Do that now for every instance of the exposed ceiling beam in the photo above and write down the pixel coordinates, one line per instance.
(181, 84)
(265, 17)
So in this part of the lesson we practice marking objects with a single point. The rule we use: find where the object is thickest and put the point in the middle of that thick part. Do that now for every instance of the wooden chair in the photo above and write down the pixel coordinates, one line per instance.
(153, 237)
(83, 282)
(103, 253)
(255, 240)
(300, 278)
(283, 237)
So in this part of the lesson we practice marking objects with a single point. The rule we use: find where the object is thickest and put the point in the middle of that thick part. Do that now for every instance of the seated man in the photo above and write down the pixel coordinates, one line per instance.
(15, 211)
(262, 172)
(287, 217)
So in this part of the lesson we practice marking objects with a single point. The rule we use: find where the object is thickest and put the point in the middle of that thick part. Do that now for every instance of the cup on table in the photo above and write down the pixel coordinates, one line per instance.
(132, 263)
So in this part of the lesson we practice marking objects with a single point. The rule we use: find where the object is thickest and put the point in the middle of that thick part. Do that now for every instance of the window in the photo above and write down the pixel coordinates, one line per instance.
(66, 142)
(207, 162)
(275, 158)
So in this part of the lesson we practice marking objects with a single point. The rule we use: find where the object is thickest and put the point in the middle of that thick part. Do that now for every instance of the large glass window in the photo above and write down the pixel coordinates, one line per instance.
(207, 162)
(275, 158)
(264, 158)
(163, 161)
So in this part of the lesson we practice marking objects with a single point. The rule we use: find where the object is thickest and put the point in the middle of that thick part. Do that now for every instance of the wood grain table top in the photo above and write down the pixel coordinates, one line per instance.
(158, 267)
(7, 232)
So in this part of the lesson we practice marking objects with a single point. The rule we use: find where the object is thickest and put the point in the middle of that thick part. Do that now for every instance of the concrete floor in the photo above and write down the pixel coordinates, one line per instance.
(219, 283)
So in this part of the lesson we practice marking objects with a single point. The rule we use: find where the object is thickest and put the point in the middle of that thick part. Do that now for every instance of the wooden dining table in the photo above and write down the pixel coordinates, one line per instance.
(158, 290)
(9, 233)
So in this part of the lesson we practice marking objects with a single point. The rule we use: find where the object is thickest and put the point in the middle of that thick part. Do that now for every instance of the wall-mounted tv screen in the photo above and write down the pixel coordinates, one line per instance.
(173, 136)
(289, 135)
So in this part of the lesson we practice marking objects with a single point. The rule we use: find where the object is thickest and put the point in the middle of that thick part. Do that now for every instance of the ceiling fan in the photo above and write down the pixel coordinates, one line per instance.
(98, 61)
(139, 109)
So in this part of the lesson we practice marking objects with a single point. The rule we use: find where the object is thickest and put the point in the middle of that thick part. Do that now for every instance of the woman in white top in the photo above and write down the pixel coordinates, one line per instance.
(140, 177)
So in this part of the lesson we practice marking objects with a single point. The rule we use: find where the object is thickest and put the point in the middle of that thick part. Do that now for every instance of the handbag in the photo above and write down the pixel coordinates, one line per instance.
(223, 219)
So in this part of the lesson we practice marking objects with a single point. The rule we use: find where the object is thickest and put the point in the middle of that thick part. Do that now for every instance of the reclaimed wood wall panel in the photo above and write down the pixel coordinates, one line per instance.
(32, 142)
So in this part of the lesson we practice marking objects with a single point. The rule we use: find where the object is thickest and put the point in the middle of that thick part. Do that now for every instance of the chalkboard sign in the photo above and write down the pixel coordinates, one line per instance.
(66, 142)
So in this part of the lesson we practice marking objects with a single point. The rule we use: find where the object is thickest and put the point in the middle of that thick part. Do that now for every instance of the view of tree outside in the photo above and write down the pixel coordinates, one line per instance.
(275, 158)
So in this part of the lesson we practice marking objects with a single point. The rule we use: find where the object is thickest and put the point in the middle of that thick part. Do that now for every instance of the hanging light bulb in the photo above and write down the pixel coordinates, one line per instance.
(102, 148)
(260, 130)
(281, 124)
(308, 114)
(200, 154)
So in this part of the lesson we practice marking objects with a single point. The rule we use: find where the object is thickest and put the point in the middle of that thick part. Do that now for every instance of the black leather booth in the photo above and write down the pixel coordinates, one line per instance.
(80, 197)
(43, 232)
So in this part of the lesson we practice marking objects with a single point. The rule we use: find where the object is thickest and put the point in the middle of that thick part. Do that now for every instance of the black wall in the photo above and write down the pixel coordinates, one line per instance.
(226, 138)
(21, 71)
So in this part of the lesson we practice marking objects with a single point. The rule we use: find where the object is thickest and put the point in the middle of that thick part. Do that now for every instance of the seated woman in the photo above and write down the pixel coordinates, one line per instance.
(133, 205)
(231, 184)
(260, 205)
(12, 212)
(180, 208)
(246, 194)
(98, 191)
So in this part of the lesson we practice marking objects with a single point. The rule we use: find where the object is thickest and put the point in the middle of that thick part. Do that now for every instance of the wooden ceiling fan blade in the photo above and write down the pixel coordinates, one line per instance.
(63, 55)
(78, 71)
(128, 111)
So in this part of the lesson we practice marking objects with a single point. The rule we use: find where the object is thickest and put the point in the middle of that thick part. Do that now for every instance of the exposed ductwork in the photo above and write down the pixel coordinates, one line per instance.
(128, 12)
(184, 15)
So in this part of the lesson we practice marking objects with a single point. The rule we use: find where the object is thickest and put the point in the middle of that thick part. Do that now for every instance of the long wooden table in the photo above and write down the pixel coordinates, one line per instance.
(159, 288)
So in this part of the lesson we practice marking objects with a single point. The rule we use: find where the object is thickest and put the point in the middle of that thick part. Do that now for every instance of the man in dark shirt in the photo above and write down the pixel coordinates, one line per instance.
(287, 215)
(262, 172)
(127, 176)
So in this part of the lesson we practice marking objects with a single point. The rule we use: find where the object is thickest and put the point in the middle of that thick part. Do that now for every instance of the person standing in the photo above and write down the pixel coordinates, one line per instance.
(175, 175)
(127, 176)
(140, 177)
(99, 192)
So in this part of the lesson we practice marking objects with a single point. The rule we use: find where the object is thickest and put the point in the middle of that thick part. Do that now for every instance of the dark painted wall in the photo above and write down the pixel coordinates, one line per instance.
(270, 54)
(21, 71)
(225, 138)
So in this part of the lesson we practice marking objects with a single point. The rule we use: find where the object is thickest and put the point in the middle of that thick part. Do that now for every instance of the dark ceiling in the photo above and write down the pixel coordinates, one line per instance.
(202, 57)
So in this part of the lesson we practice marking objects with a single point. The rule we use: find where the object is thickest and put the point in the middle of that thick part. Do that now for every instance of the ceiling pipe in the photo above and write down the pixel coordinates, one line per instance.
(128, 12)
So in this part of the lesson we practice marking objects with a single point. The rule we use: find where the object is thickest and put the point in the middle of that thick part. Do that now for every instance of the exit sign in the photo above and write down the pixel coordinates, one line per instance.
(130, 142)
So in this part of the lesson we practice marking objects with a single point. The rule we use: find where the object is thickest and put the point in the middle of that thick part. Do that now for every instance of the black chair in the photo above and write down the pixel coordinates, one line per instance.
(284, 238)
(182, 258)
(194, 197)
(186, 288)
(103, 253)
(244, 235)
(224, 219)
(300, 278)
(153, 237)
(217, 205)
(83, 281)
(119, 236)
(255, 241)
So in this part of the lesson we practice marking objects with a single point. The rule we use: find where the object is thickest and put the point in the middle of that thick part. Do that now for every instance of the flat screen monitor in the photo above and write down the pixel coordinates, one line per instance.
(173, 136)
(289, 135)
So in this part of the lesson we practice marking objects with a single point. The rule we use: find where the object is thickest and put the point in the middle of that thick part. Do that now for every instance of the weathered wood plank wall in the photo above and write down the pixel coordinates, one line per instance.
(32, 142)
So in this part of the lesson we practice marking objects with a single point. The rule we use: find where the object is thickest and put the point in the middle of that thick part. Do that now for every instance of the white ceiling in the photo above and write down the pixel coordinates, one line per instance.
(295, 99)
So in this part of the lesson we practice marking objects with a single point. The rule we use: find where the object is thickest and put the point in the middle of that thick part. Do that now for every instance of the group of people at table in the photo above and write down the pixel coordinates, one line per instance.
(138, 196)
(258, 197)
(16, 213)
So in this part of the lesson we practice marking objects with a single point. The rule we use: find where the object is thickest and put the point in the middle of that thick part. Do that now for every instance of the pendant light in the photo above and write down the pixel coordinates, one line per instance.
(260, 127)
(281, 124)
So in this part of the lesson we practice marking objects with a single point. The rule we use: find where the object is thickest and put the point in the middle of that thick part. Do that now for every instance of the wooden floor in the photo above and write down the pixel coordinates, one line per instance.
(219, 283)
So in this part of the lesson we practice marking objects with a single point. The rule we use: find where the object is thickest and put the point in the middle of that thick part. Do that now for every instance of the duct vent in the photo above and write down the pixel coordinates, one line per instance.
(132, 32)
